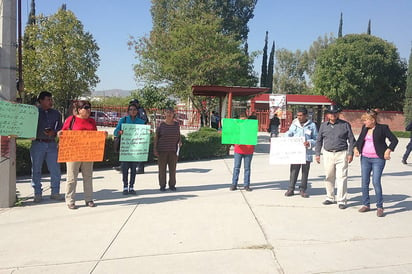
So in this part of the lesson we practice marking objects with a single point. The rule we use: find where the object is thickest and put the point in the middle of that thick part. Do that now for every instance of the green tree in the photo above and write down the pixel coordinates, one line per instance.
(270, 68)
(186, 47)
(59, 56)
(289, 76)
(340, 25)
(361, 71)
(264, 70)
(235, 16)
(310, 56)
(407, 108)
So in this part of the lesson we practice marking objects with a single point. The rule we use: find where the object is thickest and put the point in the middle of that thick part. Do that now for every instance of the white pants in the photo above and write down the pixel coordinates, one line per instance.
(336, 168)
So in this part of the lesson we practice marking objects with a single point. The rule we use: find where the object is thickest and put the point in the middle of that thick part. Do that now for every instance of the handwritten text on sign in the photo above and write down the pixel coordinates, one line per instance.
(134, 144)
(287, 151)
(18, 119)
(81, 146)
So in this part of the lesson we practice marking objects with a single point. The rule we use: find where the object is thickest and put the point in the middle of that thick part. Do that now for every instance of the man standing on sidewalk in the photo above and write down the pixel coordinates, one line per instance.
(44, 148)
(408, 146)
(336, 138)
(302, 127)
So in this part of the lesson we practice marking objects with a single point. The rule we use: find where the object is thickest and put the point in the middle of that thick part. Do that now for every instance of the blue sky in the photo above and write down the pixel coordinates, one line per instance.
(292, 24)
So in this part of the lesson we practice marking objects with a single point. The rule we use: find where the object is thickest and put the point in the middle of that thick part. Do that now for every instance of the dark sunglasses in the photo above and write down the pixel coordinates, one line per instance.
(86, 107)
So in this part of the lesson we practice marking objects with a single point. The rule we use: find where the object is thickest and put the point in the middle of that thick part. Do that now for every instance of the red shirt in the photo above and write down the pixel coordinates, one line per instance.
(79, 124)
(244, 149)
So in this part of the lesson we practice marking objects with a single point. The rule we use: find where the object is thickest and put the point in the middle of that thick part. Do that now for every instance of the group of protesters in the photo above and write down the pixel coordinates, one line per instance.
(334, 140)
(50, 126)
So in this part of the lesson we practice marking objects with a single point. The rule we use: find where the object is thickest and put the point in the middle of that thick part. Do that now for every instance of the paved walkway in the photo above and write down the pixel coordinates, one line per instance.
(205, 228)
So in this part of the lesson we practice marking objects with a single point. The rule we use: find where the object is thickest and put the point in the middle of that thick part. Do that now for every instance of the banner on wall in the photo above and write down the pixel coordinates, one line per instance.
(277, 105)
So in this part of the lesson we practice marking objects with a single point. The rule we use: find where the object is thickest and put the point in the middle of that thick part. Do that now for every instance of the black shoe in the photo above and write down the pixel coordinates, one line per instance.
(140, 171)
(342, 206)
(248, 188)
(289, 193)
(232, 187)
(163, 188)
(125, 192)
(304, 194)
(172, 188)
(404, 162)
(328, 202)
(132, 191)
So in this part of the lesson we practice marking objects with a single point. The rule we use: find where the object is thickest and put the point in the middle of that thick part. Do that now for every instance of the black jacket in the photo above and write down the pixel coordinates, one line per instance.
(380, 133)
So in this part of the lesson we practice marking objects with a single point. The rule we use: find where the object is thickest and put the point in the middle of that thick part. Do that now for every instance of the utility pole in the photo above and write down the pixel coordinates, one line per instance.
(8, 11)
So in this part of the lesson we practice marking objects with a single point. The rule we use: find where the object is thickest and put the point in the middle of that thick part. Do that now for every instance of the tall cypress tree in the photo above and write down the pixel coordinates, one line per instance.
(264, 73)
(340, 25)
(407, 108)
(369, 27)
(270, 68)
(32, 15)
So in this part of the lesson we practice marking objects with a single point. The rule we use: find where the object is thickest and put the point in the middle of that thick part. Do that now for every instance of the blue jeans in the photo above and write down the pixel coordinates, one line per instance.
(125, 172)
(374, 165)
(236, 168)
(39, 152)
(408, 151)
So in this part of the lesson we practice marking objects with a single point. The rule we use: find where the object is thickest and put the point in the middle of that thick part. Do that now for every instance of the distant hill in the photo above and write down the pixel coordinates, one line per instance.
(111, 93)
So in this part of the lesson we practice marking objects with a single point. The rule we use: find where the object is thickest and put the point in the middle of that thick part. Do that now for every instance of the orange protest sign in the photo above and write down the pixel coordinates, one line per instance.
(81, 146)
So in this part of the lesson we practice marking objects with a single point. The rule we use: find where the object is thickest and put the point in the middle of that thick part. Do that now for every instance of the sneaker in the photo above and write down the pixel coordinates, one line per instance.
(364, 209)
(132, 191)
(162, 188)
(72, 206)
(125, 191)
(328, 202)
(289, 193)
(342, 206)
(90, 204)
(172, 188)
(247, 188)
(38, 198)
(57, 197)
(379, 212)
(404, 162)
(232, 187)
(304, 194)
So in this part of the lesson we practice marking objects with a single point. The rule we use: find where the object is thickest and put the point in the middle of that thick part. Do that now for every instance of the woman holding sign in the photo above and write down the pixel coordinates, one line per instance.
(166, 147)
(128, 187)
(80, 120)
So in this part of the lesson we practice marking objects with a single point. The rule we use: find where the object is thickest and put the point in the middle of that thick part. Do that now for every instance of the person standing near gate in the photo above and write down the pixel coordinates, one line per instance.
(408, 146)
(44, 148)
(336, 138)
(302, 127)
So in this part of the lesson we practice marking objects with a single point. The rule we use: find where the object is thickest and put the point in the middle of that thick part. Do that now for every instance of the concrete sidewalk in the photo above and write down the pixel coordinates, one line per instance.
(205, 228)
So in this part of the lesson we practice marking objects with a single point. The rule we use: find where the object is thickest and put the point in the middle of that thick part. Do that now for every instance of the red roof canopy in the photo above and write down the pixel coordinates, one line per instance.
(222, 91)
(297, 99)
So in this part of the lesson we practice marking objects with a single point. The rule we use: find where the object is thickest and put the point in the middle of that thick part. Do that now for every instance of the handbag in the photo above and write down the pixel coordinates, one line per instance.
(117, 139)
(116, 143)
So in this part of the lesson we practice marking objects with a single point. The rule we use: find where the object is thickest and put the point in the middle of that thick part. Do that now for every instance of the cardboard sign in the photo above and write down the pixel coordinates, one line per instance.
(18, 119)
(286, 151)
(239, 132)
(81, 146)
(134, 144)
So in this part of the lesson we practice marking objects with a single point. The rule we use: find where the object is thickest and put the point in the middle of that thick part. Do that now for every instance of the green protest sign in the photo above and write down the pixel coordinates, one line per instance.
(240, 132)
(134, 144)
(18, 119)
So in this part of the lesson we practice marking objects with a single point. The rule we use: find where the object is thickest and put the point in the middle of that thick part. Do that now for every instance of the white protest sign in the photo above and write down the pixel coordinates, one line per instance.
(289, 150)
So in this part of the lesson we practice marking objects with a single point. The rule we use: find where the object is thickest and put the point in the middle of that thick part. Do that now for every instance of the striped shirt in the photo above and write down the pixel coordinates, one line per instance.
(168, 137)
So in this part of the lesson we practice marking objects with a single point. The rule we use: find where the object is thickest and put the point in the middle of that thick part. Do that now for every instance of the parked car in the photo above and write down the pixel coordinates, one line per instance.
(102, 119)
